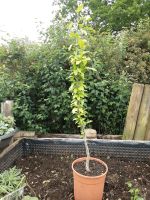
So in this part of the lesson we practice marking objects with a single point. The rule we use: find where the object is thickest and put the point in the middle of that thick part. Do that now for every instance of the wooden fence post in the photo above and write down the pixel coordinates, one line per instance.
(147, 134)
(133, 111)
(143, 118)
(6, 108)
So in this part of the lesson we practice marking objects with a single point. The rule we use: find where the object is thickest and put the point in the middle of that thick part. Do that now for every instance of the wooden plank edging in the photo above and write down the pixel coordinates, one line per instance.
(9, 148)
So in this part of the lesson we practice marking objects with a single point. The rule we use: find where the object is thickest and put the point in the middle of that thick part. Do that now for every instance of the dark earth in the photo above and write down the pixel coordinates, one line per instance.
(96, 169)
(49, 177)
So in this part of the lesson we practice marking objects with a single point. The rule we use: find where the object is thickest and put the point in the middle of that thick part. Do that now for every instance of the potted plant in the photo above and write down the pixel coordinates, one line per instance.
(89, 173)
(12, 183)
(7, 130)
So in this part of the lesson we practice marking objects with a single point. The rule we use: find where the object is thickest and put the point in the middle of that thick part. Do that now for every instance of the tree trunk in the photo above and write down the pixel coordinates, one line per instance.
(87, 154)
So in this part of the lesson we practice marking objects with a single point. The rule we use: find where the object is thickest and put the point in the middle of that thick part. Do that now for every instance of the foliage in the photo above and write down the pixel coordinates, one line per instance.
(16, 63)
(111, 15)
(10, 181)
(118, 14)
(36, 78)
(79, 60)
(137, 59)
(109, 87)
(108, 98)
(41, 97)
(6, 125)
(134, 192)
(42, 102)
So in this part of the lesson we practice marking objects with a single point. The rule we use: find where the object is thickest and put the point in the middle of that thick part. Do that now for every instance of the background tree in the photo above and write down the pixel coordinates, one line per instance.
(111, 15)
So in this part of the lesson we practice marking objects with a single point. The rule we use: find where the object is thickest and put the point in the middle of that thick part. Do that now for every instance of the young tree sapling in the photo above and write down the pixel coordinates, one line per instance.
(79, 32)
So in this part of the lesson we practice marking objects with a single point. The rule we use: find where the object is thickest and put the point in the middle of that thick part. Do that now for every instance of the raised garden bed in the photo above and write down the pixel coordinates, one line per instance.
(47, 165)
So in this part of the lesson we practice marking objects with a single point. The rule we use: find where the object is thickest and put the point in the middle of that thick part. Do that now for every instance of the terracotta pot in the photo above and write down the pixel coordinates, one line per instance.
(88, 187)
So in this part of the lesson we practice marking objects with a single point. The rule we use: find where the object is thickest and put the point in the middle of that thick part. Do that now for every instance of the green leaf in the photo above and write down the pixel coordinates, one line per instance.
(70, 47)
(78, 62)
(139, 198)
(74, 110)
(70, 25)
(74, 35)
(137, 191)
(129, 184)
(80, 8)
(81, 43)
(93, 69)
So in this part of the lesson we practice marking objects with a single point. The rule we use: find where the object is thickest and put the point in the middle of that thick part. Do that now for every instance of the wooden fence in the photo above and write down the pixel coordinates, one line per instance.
(137, 126)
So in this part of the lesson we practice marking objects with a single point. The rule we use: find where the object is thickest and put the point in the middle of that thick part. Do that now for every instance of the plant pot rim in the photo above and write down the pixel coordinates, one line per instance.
(5, 136)
(91, 158)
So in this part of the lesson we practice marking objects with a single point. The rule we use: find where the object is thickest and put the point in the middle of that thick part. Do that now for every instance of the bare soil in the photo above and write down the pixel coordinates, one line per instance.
(96, 168)
(49, 177)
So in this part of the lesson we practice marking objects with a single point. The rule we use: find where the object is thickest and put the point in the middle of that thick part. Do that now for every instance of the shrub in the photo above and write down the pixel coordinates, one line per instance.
(41, 84)
(6, 125)
(107, 102)
(137, 59)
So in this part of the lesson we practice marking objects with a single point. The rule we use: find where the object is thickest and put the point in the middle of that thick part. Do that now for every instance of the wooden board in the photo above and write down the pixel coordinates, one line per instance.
(7, 149)
(133, 111)
(143, 118)
(21, 134)
(147, 134)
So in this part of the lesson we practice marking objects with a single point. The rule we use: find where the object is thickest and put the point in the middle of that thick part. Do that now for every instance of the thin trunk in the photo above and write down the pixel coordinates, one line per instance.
(87, 167)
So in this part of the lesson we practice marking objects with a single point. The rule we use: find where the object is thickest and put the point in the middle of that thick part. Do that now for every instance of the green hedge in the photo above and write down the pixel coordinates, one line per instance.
(45, 106)
(36, 78)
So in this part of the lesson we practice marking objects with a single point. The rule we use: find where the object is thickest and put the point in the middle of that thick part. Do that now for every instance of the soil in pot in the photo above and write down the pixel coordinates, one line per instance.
(50, 177)
(96, 168)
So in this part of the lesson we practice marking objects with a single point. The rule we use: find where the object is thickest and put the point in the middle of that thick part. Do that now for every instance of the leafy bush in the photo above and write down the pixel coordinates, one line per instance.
(137, 59)
(107, 102)
(43, 103)
(6, 125)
